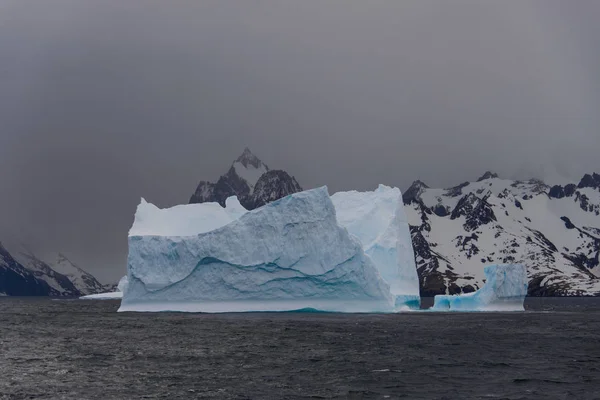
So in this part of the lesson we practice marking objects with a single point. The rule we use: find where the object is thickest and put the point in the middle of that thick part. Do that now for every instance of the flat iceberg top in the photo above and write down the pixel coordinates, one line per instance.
(184, 220)
(291, 250)
(504, 290)
(378, 220)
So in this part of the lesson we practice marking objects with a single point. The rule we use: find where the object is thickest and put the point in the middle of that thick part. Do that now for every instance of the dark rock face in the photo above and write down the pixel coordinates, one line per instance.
(568, 223)
(457, 190)
(557, 192)
(23, 274)
(204, 192)
(440, 210)
(63, 285)
(591, 181)
(570, 189)
(270, 186)
(228, 185)
(16, 280)
(487, 175)
(477, 211)
(248, 159)
(494, 225)
(414, 191)
(465, 206)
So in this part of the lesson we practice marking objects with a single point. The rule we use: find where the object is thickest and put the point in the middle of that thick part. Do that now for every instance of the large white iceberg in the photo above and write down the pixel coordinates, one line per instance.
(504, 290)
(378, 220)
(288, 255)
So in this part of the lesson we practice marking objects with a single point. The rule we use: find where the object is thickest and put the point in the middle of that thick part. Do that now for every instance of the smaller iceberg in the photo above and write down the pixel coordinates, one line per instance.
(504, 290)
(117, 294)
(103, 296)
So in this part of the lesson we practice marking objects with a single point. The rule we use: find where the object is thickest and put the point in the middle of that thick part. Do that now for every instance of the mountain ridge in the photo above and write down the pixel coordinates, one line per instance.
(251, 180)
(554, 231)
(22, 273)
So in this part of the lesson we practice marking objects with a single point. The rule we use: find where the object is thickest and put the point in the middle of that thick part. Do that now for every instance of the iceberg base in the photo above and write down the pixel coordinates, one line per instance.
(505, 290)
(410, 302)
(467, 303)
(327, 305)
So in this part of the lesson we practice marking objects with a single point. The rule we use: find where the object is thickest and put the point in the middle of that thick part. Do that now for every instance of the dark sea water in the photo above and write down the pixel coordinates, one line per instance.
(73, 349)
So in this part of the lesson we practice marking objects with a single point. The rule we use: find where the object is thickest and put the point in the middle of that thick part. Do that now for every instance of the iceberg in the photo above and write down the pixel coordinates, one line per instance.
(378, 220)
(504, 290)
(122, 285)
(103, 296)
(117, 294)
(287, 255)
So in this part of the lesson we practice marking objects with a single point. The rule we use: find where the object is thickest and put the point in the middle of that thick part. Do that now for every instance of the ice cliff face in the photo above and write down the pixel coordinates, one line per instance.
(250, 180)
(290, 254)
(553, 231)
(378, 220)
(504, 290)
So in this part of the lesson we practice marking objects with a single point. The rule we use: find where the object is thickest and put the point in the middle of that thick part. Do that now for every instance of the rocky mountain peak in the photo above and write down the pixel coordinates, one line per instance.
(247, 159)
(272, 186)
(487, 175)
(414, 191)
(250, 180)
(553, 231)
(591, 181)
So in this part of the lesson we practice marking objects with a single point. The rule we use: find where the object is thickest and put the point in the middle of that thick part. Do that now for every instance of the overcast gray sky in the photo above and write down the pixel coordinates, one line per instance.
(102, 102)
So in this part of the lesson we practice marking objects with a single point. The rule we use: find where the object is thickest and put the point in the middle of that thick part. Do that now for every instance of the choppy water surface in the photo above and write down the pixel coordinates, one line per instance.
(84, 349)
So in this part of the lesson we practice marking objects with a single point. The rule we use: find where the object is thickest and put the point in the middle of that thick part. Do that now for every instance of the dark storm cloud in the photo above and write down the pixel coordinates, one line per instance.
(102, 102)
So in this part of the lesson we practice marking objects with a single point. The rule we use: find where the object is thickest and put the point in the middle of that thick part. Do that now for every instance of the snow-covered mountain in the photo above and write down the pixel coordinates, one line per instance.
(85, 282)
(22, 273)
(250, 180)
(59, 284)
(16, 280)
(553, 231)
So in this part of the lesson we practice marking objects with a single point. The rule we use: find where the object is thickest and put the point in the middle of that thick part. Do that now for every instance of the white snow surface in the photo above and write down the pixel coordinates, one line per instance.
(504, 290)
(249, 173)
(516, 225)
(290, 254)
(122, 285)
(378, 220)
(103, 296)
(184, 220)
(83, 281)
